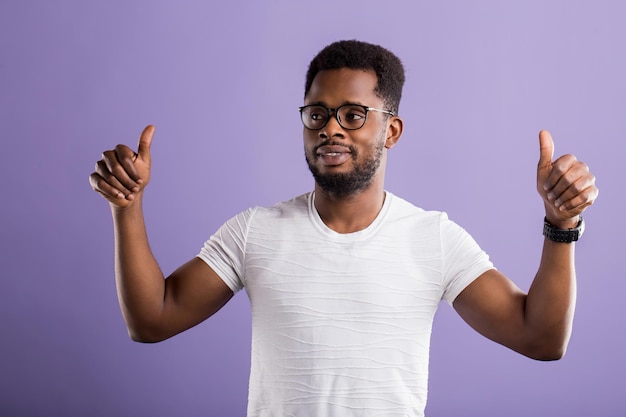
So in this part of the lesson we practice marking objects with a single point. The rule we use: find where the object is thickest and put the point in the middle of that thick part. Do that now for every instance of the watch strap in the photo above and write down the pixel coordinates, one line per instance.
(563, 235)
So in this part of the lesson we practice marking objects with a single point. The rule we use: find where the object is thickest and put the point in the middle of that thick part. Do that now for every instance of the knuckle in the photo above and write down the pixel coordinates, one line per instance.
(568, 179)
(581, 166)
(101, 185)
(93, 180)
(123, 152)
(118, 170)
(570, 158)
(109, 178)
(585, 195)
(578, 189)
(559, 168)
(101, 166)
(588, 195)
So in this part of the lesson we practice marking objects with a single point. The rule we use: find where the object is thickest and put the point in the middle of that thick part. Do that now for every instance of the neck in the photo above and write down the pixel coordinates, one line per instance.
(350, 213)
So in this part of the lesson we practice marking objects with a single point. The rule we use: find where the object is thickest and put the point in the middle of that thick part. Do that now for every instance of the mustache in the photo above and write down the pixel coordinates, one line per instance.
(352, 148)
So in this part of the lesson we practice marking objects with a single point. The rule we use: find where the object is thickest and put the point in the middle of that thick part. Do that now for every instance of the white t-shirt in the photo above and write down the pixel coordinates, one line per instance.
(341, 323)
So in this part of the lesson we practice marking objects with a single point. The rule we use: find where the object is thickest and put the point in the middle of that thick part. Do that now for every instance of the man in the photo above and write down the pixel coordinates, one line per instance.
(344, 281)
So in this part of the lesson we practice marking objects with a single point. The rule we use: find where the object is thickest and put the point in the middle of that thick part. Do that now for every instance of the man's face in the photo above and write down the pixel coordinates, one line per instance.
(344, 162)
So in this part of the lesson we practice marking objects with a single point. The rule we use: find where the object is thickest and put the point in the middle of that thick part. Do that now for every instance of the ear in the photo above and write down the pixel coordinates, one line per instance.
(394, 131)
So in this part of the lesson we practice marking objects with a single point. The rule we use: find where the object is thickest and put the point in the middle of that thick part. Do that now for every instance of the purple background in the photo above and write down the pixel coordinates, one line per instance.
(222, 82)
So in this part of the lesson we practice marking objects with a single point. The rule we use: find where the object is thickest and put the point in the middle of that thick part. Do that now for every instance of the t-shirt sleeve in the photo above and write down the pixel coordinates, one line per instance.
(463, 259)
(225, 251)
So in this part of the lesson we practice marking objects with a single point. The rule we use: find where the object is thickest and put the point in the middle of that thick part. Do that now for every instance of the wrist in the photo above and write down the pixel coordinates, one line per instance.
(129, 209)
(561, 233)
(569, 223)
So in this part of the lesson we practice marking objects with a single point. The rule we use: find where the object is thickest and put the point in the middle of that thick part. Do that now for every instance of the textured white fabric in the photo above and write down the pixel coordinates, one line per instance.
(341, 323)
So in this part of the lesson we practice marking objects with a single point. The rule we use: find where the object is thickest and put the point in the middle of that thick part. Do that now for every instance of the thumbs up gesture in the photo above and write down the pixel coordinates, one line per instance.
(565, 184)
(122, 173)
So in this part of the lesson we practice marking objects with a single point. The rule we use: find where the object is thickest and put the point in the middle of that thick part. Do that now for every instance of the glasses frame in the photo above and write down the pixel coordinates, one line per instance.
(330, 111)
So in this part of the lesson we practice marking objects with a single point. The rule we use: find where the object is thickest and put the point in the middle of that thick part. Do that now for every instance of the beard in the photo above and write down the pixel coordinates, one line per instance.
(344, 184)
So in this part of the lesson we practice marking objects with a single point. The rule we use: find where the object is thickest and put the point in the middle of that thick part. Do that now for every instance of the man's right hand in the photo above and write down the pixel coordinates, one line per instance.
(122, 174)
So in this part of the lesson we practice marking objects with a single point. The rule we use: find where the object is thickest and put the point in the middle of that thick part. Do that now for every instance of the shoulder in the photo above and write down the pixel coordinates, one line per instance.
(259, 222)
(403, 210)
(404, 216)
(294, 207)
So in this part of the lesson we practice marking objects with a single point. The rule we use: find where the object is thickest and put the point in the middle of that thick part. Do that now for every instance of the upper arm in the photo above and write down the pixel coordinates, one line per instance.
(193, 293)
(494, 306)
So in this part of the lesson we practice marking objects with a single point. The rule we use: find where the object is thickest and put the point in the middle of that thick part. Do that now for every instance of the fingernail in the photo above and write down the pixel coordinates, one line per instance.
(119, 195)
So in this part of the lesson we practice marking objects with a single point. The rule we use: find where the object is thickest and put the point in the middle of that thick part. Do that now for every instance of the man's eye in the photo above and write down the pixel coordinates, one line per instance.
(354, 116)
(316, 116)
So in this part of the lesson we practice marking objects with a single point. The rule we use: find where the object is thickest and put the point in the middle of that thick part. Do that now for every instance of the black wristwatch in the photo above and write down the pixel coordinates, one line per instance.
(563, 235)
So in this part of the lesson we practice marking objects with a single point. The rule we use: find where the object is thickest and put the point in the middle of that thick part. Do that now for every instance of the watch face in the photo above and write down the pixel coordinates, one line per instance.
(581, 227)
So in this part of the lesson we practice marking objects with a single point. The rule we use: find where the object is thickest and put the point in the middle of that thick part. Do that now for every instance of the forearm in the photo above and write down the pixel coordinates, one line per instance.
(551, 300)
(538, 324)
(139, 280)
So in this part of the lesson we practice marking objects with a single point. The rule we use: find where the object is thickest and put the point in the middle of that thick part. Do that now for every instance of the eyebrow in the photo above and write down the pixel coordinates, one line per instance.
(322, 103)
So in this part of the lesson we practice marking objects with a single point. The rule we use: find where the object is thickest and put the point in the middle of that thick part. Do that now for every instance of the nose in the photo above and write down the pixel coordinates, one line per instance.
(332, 129)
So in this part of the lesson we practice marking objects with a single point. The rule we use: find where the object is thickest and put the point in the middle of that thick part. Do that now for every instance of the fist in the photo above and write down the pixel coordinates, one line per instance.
(122, 173)
(566, 185)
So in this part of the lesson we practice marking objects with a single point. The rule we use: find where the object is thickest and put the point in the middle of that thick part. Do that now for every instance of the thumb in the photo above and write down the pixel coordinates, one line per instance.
(145, 141)
(546, 148)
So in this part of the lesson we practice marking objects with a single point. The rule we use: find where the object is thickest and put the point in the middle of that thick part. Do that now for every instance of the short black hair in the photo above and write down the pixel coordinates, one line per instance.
(360, 55)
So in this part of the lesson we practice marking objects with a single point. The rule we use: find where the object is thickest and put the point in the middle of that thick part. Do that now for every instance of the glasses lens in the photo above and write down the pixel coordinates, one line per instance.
(352, 116)
(314, 117)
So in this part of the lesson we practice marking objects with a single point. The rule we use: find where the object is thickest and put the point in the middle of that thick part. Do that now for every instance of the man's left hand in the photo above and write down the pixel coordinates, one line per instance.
(565, 184)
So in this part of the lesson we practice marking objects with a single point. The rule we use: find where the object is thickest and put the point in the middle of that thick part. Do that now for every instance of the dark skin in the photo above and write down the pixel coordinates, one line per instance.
(154, 308)
(334, 88)
(536, 324)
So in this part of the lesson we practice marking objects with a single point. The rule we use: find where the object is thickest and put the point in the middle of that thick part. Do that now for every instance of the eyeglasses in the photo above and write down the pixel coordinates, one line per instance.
(349, 116)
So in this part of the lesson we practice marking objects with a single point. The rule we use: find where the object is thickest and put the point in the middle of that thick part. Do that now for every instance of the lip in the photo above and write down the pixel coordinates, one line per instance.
(332, 149)
(333, 155)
